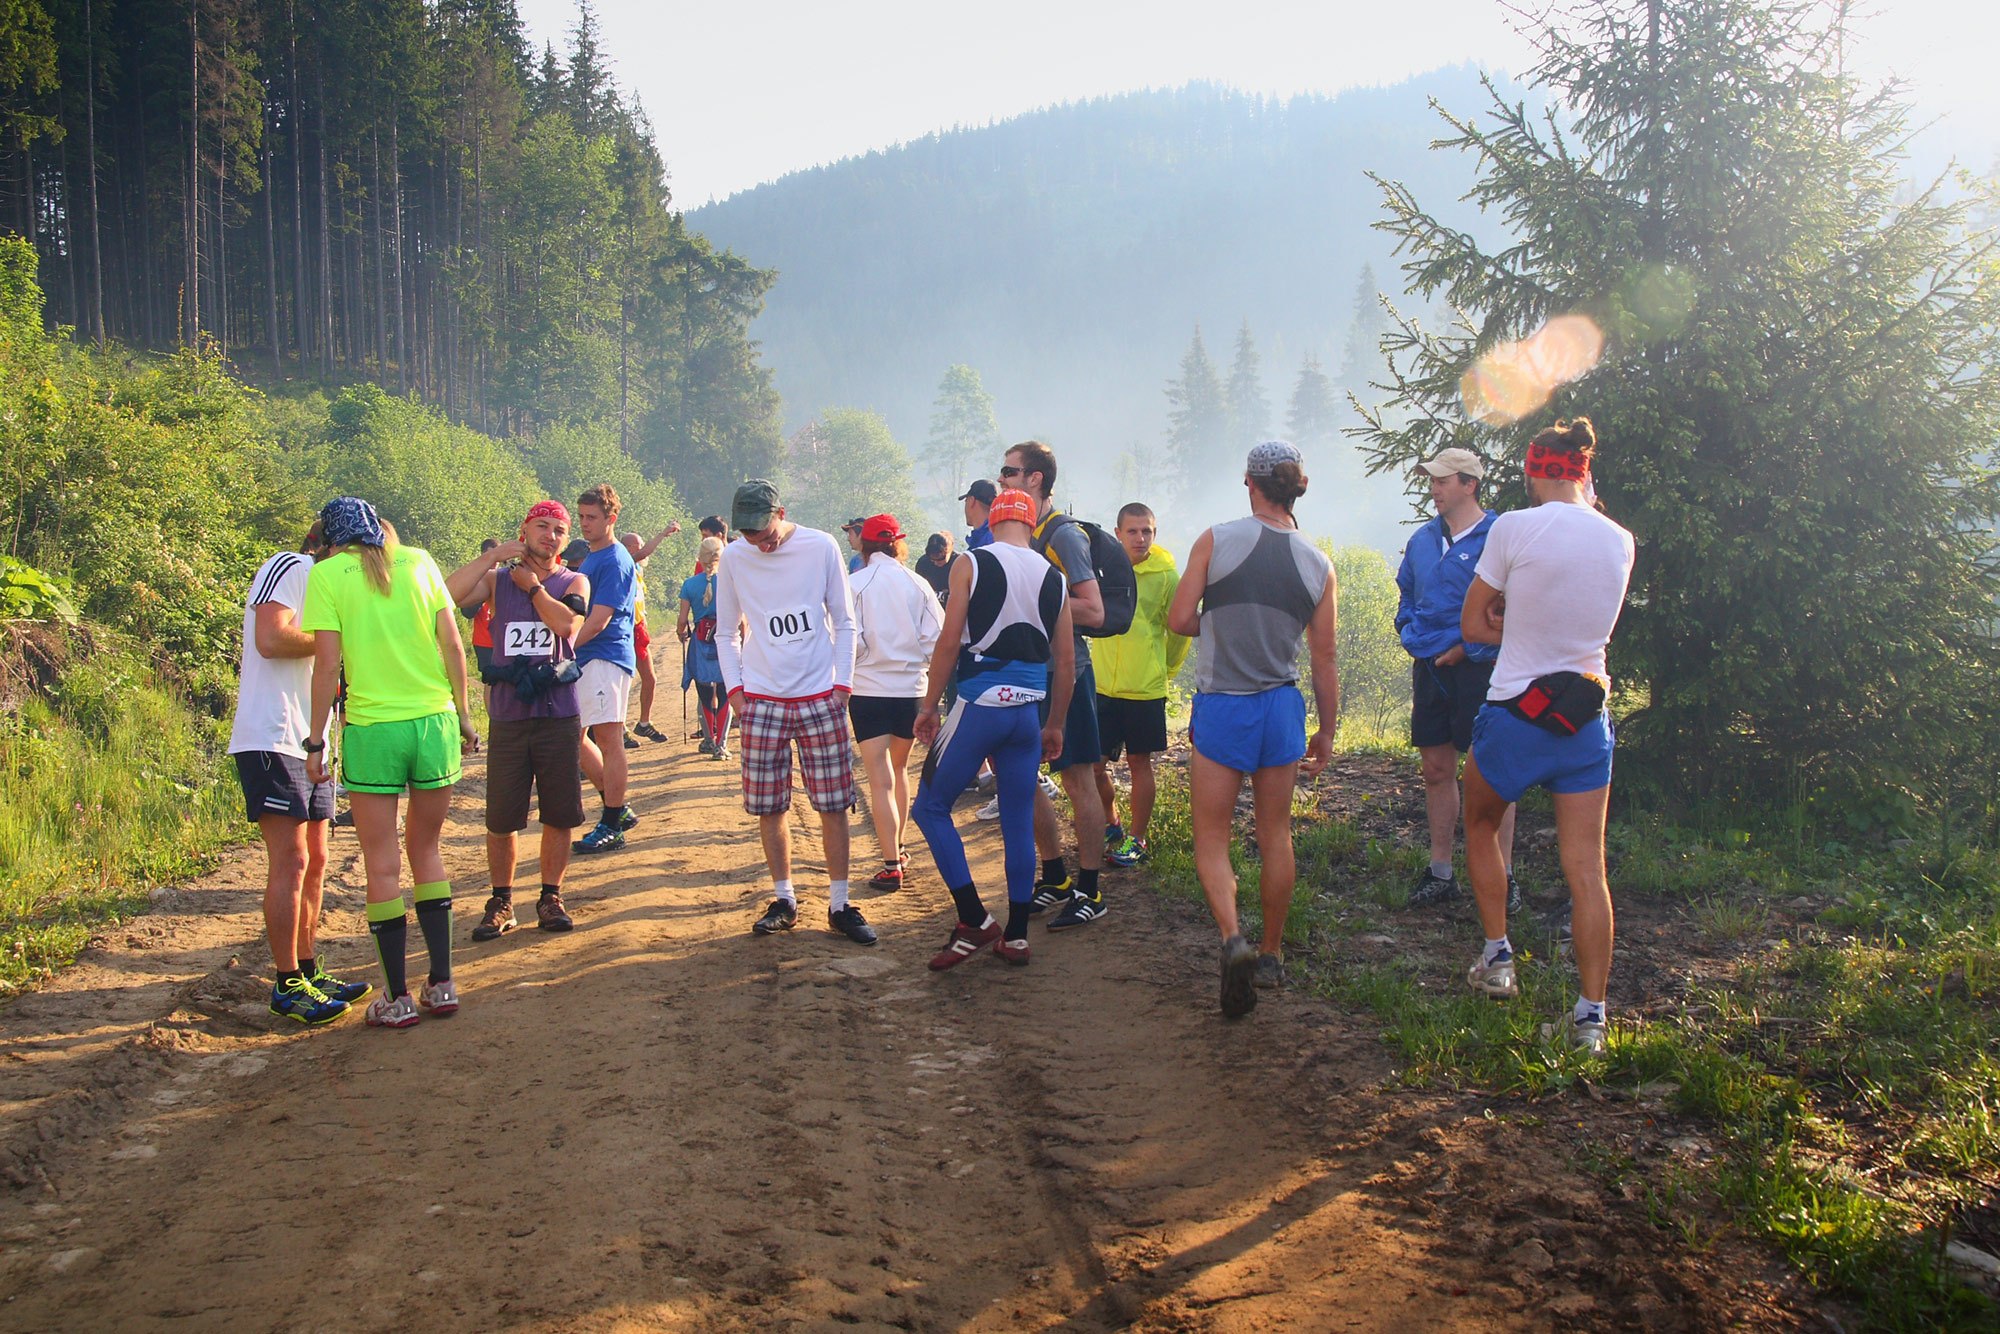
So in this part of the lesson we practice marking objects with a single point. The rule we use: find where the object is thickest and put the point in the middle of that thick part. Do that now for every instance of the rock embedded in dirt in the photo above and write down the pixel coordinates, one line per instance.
(1531, 1257)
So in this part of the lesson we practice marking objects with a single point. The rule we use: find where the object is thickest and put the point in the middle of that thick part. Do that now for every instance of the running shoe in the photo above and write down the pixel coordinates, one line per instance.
(650, 732)
(343, 819)
(1432, 889)
(1514, 900)
(497, 921)
(986, 780)
(850, 923)
(602, 838)
(964, 942)
(1269, 974)
(1495, 979)
(1589, 1036)
(1013, 951)
(780, 916)
(1082, 910)
(438, 998)
(720, 752)
(383, 1012)
(628, 820)
(631, 742)
(889, 878)
(331, 987)
(1050, 788)
(550, 914)
(990, 811)
(1114, 836)
(296, 998)
(705, 747)
(1049, 893)
(1559, 930)
(1239, 967)
(1130, 852)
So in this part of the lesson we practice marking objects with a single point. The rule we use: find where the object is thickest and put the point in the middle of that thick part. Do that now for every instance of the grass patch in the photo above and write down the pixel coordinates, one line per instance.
(111, 788)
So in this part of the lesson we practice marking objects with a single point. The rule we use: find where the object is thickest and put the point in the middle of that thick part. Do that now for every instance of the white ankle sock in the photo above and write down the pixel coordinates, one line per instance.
(836, 896)
(1494, 949)
(783, 889)
(1442, 870)
(1588, 1011)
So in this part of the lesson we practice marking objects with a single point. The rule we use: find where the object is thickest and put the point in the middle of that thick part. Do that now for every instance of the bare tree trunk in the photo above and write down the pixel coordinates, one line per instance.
(90, 153)
(271, 258)
(325, 243)
(298, 118)
(396, 207)
(381, 295)
(221, 265)
(191, 294)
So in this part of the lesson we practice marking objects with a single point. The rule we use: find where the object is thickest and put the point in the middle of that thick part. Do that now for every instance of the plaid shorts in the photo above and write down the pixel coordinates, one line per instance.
(766, 729)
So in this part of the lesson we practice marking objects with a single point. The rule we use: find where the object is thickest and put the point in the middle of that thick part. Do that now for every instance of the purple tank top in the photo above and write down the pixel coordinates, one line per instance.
(519, 635)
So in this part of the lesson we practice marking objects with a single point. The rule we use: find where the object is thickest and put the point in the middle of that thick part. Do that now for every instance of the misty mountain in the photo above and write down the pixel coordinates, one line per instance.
(1069, 254)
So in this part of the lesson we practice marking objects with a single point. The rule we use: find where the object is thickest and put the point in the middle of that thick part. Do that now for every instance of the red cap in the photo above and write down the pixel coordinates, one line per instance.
(1013, 507)
(881, 528)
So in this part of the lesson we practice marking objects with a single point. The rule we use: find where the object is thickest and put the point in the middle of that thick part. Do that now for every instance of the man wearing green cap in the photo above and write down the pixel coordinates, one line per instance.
(784, 622)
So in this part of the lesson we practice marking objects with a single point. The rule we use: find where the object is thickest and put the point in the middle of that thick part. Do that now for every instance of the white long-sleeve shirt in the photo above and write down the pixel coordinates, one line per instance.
(785, 619)
(898, 621)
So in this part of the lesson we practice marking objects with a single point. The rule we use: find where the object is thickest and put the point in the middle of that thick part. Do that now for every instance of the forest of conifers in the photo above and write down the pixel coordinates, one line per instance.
(397, 190)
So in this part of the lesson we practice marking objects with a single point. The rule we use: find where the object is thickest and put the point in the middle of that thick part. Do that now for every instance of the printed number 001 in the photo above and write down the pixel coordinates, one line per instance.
(791, 623)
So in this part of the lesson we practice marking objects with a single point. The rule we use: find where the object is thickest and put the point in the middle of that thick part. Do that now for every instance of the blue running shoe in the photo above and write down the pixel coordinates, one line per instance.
(331, 987)
(296, 998)
(602, 838)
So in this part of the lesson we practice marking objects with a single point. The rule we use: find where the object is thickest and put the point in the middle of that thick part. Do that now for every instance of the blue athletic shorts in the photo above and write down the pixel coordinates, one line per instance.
(1250, 732)
(1514, 755)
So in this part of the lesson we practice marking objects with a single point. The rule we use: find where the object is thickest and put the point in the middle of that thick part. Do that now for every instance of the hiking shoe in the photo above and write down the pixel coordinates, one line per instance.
(1515, 902)
(1589, 1036)
(990, 811)
(631, 742)
(1081, 911)
(1013, 951)
(1495, 979)
(964, 942)
(1269, 974)
(888, 878)
(627, 820)
(550, 914)
(705, 747)
(1239, 966)
(498, 921)
(438, 998)
(1129, 852)
(383, 1012)
(780, 916)
(650, 732)
(296, 998)
(850, 923)
(1432, 889)
(602, 838)
(331, 987)
(1051, 893)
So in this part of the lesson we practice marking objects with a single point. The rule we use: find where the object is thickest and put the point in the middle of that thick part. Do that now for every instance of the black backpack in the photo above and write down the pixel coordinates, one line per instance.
(1117, 585)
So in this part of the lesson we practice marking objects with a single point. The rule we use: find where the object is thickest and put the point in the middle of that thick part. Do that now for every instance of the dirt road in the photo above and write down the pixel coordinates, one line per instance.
(660, 1121)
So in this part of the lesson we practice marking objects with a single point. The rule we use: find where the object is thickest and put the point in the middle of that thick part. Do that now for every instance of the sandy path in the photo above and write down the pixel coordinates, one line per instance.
(660, 1121)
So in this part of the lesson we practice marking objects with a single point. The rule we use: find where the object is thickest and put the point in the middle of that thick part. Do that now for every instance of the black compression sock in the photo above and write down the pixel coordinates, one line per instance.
(970, 910)
(307, 966)
(1086, 882)
(1053, 871)
(613, 814)
(434, 920)
(1018, 917)
(392, 939)
(289, 975)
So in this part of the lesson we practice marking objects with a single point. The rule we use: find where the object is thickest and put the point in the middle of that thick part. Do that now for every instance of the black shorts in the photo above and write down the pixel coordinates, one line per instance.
(275, 784)
(1137, 725)
(535, 756)
(1080, 744)
(1447, 699)
(882, 715)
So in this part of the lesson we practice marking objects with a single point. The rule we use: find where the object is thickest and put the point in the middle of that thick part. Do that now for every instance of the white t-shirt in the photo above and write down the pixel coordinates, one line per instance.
(1564, 569)
(273, 694)
(784, 619)
(897, 624)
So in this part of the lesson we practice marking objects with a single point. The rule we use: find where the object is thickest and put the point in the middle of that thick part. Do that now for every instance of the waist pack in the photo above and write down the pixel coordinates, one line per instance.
(1563, 703)
(1117, 585)
(704, 630)
(532, 680)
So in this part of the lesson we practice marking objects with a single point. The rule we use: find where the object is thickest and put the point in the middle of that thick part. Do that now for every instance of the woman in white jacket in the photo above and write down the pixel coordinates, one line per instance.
(897, 621)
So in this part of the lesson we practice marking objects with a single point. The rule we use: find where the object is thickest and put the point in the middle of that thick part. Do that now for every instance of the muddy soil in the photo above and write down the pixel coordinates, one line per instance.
(661, 1121)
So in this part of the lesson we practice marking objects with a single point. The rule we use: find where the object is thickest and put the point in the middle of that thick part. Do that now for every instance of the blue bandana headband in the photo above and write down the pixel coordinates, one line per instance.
(349, 520)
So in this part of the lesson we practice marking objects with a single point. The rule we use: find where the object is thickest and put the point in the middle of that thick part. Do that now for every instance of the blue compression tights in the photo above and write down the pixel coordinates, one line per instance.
(1012, 737)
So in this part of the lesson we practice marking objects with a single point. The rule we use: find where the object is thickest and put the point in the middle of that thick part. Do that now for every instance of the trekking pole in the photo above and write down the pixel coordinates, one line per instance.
(684, 690)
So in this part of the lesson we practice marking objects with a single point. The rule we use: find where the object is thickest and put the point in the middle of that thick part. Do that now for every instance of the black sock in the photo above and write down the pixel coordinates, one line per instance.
(613, 814)
(1086, 882)
(504, 893)
(392, 941)
(970, 910)
(307, 966)
(289, 975)
(1018, 917)
(1053, 871)
(550, 891)
(434, 920)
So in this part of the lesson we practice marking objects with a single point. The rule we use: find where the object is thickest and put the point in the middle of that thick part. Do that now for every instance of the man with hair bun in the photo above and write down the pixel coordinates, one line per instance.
(1548, 591)
(1252, 587)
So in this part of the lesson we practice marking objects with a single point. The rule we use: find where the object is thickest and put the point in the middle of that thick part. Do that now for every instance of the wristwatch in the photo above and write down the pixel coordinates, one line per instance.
(312, 747)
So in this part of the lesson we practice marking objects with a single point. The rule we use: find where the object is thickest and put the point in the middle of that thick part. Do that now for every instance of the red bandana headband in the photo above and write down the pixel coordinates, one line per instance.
(1556, 465)
(548, 509)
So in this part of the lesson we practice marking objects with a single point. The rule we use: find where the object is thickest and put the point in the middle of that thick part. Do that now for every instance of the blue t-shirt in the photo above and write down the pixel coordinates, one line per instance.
(614, 581)
(980, 536)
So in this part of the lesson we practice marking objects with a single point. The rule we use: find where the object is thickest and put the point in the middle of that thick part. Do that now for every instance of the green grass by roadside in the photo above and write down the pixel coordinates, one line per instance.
(1829, 1016)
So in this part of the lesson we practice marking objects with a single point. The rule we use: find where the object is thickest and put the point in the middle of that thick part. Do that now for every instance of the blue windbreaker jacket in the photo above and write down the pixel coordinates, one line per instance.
(1431, 585)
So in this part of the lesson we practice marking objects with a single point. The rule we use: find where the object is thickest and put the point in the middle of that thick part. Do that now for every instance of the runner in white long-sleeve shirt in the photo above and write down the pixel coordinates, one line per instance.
(785, 634)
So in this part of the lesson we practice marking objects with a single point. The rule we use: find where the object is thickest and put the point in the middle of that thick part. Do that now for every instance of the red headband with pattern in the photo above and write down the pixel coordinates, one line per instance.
(548, 509)
(1557, 465)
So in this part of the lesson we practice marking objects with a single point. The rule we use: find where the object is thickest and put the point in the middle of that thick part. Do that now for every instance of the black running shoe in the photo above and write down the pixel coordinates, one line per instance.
(1082, 910)
(782, 915)
(1514, 900)
(1051, 894)
(1431, 890)
(850, 923)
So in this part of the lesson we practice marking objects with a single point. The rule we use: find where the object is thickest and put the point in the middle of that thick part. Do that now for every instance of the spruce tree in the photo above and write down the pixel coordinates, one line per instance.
(1313, 419)
(965, 435)
(1248, 410)
(1197, 416)
(1796, 390)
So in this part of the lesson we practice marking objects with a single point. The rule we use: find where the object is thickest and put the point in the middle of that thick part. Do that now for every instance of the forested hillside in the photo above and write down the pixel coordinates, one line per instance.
(397, 190)
(1068, 256)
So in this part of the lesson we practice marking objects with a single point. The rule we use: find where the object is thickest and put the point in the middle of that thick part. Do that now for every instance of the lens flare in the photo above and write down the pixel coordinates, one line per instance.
(1515, 378)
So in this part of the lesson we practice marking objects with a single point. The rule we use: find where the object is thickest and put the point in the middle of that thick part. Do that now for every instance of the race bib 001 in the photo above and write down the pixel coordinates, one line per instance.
(528, 639)
(793, 626)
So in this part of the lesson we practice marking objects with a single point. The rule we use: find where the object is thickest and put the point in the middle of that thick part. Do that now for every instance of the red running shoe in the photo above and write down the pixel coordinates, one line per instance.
(1013, 951)
(964, 942)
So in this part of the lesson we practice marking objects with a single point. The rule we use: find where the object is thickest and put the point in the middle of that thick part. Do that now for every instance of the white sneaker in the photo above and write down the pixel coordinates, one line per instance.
(1588, 1036)
(1494, 979)
(1050, 788)
(439, 998)
(990, 811)
(383, 1012)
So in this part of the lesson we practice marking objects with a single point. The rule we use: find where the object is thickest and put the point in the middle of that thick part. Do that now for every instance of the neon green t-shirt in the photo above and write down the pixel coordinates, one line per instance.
(389, 644)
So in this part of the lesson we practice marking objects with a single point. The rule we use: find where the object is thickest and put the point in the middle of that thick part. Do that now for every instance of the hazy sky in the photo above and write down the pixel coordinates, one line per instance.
(743, 93)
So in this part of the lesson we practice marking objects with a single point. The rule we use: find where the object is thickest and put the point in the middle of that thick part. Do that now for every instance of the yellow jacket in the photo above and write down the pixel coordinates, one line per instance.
(1139, 663)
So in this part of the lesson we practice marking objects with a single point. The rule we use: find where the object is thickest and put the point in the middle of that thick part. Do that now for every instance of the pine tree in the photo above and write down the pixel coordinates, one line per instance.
(1364, 332)
(964, 431)
(1313, 419)
(1802, 369)
(1197, 417)
(1249, 411)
